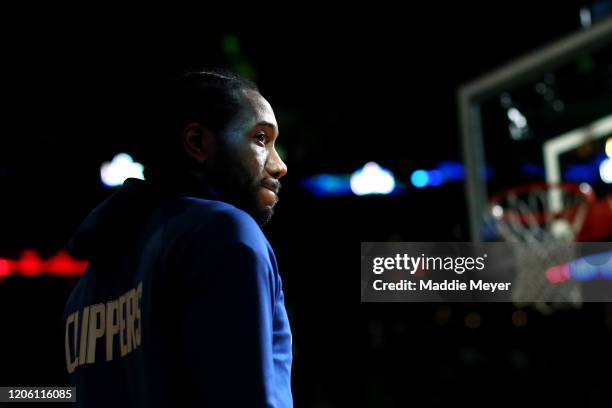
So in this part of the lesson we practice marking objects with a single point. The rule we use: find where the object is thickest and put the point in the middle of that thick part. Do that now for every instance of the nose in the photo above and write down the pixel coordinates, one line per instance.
(275, 166)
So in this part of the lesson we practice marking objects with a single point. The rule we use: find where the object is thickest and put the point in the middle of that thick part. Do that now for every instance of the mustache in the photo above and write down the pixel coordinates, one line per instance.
(271, 184)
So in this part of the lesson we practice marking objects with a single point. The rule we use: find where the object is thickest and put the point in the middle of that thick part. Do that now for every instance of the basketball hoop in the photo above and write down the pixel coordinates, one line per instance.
(542, 222)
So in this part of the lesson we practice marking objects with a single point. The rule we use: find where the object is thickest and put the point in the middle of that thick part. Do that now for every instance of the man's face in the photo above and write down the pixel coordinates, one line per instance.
(245, 166)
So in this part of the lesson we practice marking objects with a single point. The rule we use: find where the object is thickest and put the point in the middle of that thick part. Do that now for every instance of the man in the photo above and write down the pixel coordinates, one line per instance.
(182, 303)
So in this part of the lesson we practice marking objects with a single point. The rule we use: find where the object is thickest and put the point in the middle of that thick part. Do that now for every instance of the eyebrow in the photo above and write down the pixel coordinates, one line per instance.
(268, 124)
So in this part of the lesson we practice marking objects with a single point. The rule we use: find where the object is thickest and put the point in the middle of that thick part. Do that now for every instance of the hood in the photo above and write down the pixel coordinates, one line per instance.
(113, 224)
(109, 230)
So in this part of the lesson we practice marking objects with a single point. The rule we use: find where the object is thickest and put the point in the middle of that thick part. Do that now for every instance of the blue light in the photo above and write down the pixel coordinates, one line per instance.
(436, 178)
(328, 185)
(452, 171)
(531, 169)
(584, 172)
(592, 267)
(419, 178)
(581, 172)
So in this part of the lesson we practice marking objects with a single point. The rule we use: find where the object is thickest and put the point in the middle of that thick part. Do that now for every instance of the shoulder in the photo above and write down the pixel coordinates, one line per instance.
(222, 243)
(227, 224)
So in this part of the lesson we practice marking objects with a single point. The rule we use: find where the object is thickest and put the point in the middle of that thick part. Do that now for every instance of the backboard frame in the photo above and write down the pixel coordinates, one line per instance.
(516, 73)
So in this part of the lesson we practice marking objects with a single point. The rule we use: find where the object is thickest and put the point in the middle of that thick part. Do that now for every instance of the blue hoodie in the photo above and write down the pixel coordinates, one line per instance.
(181, 305)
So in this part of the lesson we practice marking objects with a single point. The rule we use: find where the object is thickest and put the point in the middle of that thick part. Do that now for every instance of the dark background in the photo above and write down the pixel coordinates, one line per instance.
(349, 88)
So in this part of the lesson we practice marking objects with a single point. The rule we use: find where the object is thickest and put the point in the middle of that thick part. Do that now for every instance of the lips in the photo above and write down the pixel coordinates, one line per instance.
(275, 191)
(273, 186)
(269, 192)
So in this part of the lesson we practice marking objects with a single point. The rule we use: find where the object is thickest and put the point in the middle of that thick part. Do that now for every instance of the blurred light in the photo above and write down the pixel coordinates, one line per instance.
(114, 173)
(519, 318)
(596, 266)
(472, 320)
(558, 274)
(518, 124)
(585, 188)
(561, 229)
(549, 96)
(585, 17)
(444, 172)
(372, 179)
(5, 268)
(517, 118)
(582, 172)
(328, 185)
(505, 100)
(419, 178)
(558, 105)
(609, 147)
(244, 69)
(582, 271)
(62, 264)
(532, 170)
(436, 178)
(282, 153)
(452, 171)
(442, 315)
(30, 265)
(231, 45)
(517, 133)
(605, 170)
(497, 211)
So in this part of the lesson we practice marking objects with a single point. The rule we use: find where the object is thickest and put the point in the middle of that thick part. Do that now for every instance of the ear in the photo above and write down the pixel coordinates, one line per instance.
(197, 141)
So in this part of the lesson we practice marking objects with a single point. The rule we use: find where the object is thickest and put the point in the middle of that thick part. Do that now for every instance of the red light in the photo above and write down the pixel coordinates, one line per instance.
(30, 265)
(558, 274)
(62, 264)
(5, 268)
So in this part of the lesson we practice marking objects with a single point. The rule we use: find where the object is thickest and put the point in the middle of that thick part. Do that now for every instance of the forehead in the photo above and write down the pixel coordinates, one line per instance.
(256, 108)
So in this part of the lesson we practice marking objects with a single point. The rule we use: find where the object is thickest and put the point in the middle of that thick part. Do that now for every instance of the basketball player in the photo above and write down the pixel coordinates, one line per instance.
(182, 302)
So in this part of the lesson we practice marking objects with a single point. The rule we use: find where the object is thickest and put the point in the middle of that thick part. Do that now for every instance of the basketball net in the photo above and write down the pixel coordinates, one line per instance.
(542, 221)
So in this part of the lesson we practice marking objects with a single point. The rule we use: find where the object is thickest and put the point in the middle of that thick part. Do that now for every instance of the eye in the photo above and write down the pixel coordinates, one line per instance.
(260, 137)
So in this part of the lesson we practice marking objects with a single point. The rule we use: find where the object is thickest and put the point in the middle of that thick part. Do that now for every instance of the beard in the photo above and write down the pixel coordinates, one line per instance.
(236, 185)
